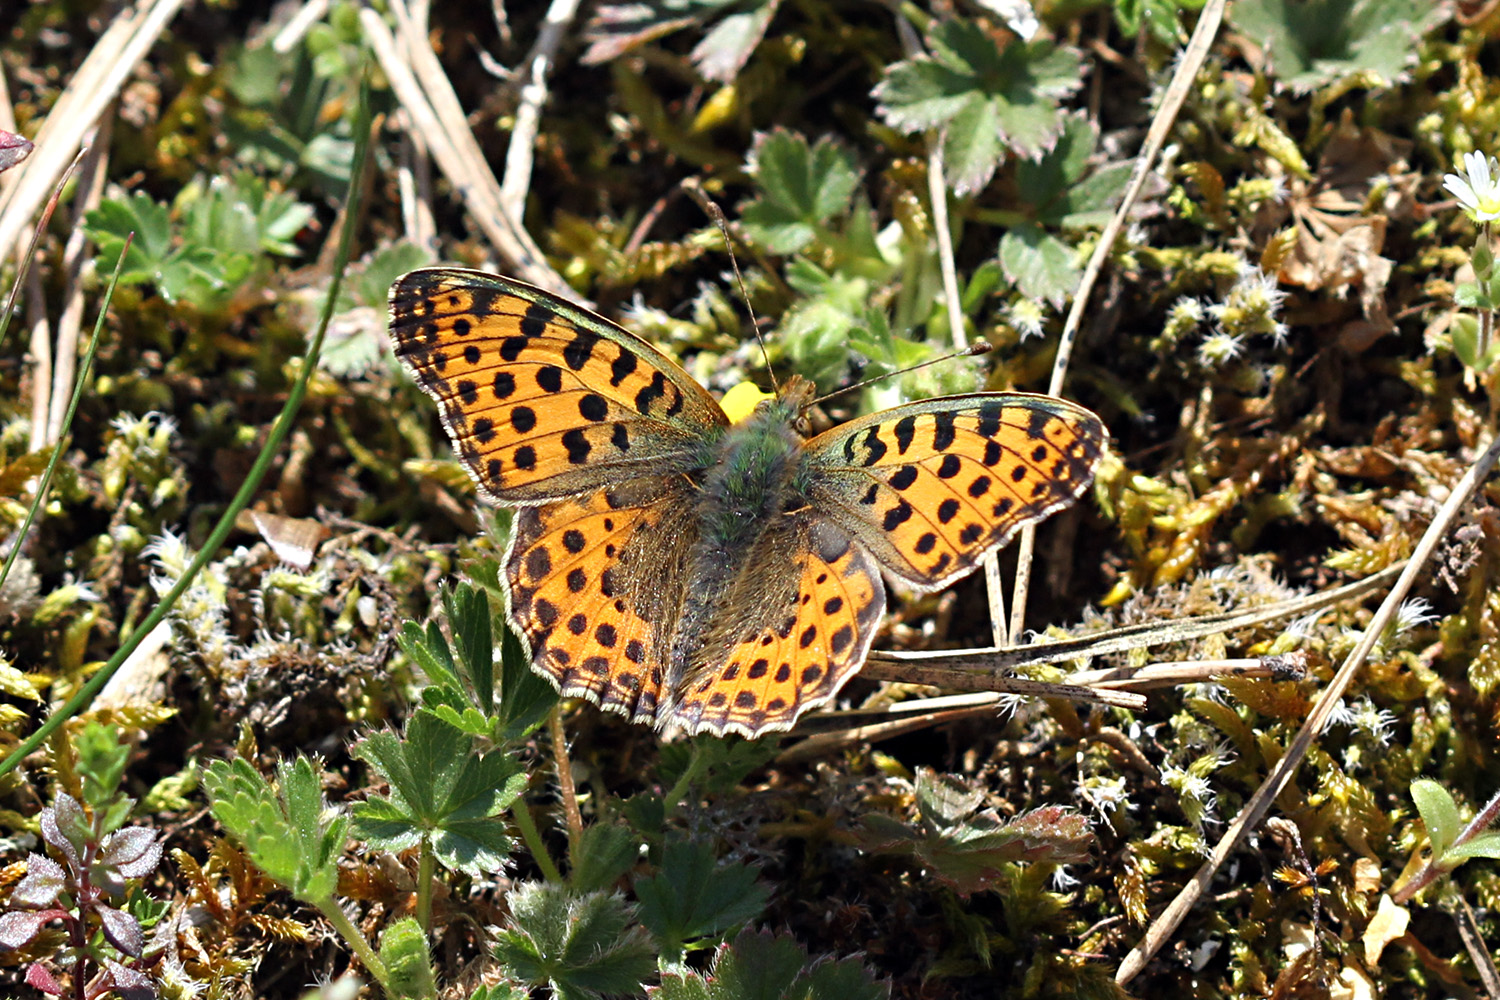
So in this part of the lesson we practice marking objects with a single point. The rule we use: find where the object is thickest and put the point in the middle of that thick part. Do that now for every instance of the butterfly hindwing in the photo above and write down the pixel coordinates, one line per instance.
(931, 486)
(595, 591)
(543, 399)
(802, 646)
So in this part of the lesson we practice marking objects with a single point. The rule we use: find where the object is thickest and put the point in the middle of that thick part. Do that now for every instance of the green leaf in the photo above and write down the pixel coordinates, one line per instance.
(500, 991)
(693, 897)
(818, 330)
(1160, 17)
(1439, 814)
(289, 831)
(525, 697)
(1311, 44)
(802, 186)
(1049, 178)
(372, 280)
(115, 219)
(581, 945)
(722, 763)
(987, 100)
(724, 51)
(603, 855)
(101, 765)
(1040, 265)
(441, 793)
(469, 619)
(1465, 334)
(759, 966)
(1485, 845)
(462, 688)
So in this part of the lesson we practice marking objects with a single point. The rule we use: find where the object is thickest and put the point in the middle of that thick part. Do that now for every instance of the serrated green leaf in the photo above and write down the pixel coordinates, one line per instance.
(973, 146)
(372, 281)
(603, 855)
(693, 897)
(429, 650)
(525, 698)
(441, 792)
(289, 831)
(469, 621)
(1317, 43)
(722, 763)
(759, 966)
(987, 100)
(802, 188)
(581, 945)
(115, 219)
(1439, 814)
(462, 692)
(1040, 265)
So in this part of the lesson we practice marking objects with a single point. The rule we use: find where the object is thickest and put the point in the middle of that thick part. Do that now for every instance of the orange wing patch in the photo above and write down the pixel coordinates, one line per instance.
(540, 398)
(588, 634)
(931, 487)
(767, 681)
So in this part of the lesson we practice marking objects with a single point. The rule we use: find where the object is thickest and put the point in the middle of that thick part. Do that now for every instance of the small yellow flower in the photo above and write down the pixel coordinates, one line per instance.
(742, 399)
(1479, 191)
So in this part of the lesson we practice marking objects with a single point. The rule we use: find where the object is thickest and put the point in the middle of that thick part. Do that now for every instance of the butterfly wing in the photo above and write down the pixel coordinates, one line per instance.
(595, 584)
(794, 628)
(543, 399)
(932, 486)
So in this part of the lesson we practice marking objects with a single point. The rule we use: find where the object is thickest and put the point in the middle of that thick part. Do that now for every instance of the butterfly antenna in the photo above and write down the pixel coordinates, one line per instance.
(696, 192)
(978, 347)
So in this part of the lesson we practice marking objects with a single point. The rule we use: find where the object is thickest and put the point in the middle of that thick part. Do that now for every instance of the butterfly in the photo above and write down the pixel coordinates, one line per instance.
(688, 572)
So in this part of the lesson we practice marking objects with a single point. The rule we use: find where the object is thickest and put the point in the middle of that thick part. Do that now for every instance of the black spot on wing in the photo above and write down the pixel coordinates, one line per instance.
(534, 321)
(578, 352)
(906, 431)
(943, 431)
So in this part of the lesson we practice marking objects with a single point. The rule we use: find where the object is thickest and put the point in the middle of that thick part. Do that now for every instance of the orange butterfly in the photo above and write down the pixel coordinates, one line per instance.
(695, 574)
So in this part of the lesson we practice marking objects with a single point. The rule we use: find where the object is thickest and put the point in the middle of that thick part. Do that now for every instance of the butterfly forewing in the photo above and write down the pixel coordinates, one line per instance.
(541, 398)
(930, 487)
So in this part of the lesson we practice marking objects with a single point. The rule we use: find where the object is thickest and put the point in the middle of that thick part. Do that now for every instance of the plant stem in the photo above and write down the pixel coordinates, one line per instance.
(674, 797)
(354, 939)
(565, 777)
(533, 837)
(426, 867)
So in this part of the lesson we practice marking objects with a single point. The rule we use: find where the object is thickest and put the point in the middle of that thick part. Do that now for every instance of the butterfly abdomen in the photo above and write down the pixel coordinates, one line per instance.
(745, 490)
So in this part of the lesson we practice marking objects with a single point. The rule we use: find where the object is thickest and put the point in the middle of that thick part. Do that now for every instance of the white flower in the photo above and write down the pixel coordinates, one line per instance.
(1027, 315)
(1479, 191)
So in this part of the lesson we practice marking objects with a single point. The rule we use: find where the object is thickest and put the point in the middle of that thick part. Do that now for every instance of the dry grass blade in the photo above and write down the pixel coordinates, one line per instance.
(533, 94)
(1178, 672)
(937, 194)
(433, 110)
(1328, 701)
(88, 94)
(1129, 637)
(1156, 137)
(75, 253)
